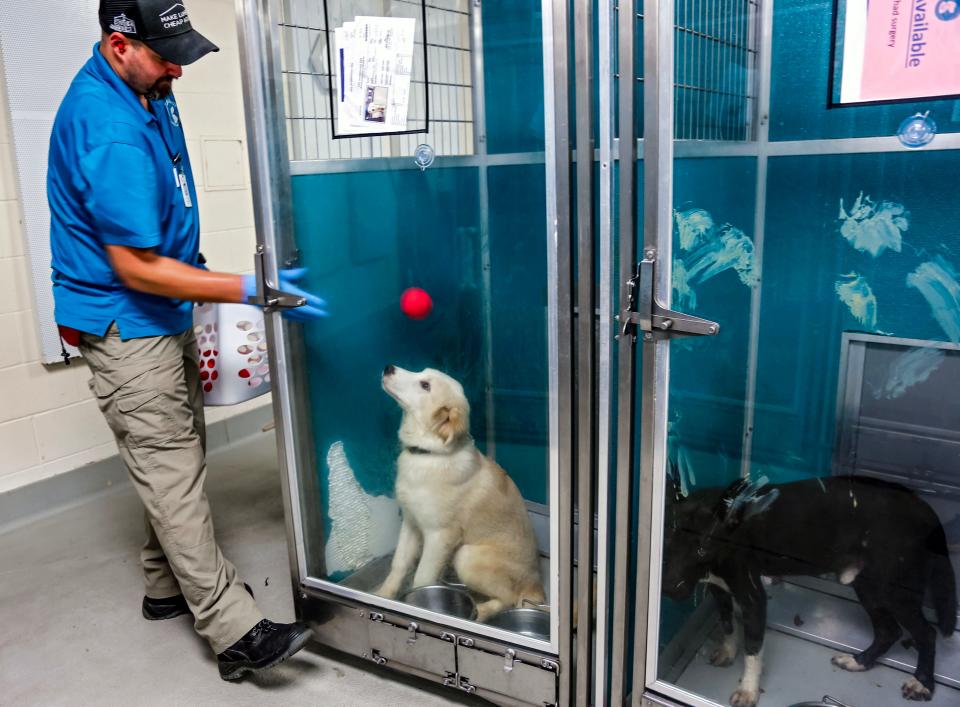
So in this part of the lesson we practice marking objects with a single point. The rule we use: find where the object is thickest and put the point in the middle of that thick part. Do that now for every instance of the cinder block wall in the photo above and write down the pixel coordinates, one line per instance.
(48, 422)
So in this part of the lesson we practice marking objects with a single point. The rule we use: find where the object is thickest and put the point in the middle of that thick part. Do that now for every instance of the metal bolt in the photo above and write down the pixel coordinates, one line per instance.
(649, 254)
(713, 328)
(648, 337)
(303, 595)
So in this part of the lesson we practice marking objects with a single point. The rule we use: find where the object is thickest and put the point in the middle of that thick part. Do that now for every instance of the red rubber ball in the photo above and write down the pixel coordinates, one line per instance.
(416, 303)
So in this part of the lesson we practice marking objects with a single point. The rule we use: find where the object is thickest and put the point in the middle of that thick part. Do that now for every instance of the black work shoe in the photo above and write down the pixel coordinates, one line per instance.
(162, 609)
(171, 607)
(265, 645)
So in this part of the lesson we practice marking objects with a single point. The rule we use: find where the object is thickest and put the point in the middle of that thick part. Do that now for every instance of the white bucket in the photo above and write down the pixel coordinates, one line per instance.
(234, 364)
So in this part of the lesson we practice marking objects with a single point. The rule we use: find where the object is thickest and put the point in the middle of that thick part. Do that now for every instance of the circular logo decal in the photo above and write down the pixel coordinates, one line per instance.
(948, 10)
(172, 111)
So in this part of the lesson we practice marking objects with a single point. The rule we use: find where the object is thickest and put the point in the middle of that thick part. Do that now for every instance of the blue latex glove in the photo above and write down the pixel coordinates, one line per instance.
(315, 308)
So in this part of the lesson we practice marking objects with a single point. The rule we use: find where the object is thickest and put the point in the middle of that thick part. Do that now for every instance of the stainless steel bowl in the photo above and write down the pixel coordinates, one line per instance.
(443, 600)
(451, 580)
(532, 623)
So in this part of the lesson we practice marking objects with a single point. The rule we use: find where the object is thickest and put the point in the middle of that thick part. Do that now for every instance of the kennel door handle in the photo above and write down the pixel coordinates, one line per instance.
(268, 297)
(643, 311)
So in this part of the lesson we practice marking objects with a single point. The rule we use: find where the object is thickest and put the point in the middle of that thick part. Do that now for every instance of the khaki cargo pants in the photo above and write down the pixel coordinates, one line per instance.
(149, 392)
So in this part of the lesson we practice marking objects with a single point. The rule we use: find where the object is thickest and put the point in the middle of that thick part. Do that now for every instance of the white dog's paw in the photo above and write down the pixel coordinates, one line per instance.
(387, 591)
(744, 698)
(847, 662)
(724, 654)
(913, 689)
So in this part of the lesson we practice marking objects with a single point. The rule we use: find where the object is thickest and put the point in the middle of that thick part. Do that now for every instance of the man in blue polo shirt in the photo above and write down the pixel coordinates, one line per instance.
(126, 271)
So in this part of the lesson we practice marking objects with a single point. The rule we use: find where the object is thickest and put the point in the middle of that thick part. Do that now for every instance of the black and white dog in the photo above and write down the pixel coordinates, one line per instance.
(877, 536)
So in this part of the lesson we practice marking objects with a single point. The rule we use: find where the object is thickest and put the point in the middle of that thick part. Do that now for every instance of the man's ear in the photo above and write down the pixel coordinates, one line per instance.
(451, 423)
(118, 43)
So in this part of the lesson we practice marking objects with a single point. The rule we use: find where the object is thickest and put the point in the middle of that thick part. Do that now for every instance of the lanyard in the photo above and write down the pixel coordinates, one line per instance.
(176, 158)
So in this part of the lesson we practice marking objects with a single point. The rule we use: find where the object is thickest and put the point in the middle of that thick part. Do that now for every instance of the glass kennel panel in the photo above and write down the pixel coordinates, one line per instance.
(837, 538)
(430, 434)
(808, 510)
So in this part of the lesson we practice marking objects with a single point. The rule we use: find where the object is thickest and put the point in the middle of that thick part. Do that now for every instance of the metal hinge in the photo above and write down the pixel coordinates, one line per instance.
(643, 312)
(457, 682)
(268, 297)
(466, 686)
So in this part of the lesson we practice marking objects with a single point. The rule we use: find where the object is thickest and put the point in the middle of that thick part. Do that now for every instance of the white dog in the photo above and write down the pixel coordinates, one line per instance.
(457, 504)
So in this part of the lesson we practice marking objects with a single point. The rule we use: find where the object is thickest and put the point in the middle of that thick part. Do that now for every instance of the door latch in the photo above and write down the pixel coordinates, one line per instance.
(268, 297)
(643, 312)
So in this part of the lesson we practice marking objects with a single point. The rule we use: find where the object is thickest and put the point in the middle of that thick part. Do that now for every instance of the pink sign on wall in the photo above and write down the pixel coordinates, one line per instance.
(900, 49)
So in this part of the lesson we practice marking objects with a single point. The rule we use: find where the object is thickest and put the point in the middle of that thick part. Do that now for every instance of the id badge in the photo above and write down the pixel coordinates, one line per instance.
(180, 178)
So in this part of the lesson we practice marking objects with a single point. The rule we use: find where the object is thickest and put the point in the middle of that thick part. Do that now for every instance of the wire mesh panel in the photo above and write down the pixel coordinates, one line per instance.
(716, 52)
(307, 76)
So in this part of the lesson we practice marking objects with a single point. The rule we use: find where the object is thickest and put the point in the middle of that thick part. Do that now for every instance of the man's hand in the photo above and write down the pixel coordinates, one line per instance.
(315, 308)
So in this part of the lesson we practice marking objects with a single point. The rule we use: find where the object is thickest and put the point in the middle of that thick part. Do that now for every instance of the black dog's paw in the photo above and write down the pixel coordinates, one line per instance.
(849, 663)
(744, 698)
(913, 689)
(724, 654)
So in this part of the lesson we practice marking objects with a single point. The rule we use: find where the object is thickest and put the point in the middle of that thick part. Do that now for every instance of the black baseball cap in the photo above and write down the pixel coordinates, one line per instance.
(163, 25)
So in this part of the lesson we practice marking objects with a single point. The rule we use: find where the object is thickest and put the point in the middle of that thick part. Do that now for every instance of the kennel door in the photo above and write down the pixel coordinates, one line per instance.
(458, 212)
(796, 227)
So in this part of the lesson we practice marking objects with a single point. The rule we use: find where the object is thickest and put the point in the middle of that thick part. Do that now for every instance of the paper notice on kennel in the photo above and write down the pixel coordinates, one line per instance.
(374, 63)
(893, 50)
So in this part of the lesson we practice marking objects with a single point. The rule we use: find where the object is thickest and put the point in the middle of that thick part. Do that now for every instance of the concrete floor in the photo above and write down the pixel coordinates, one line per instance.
(71, 632)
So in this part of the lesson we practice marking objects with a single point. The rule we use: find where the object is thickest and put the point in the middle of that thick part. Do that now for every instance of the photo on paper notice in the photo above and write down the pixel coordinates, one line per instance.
(895, 50)
(375, 105)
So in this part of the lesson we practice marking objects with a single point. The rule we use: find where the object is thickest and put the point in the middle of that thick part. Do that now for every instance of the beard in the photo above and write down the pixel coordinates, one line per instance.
(160, 89)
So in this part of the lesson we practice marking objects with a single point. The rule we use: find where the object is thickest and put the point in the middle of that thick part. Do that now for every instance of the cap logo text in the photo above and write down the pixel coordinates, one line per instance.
(174, 16)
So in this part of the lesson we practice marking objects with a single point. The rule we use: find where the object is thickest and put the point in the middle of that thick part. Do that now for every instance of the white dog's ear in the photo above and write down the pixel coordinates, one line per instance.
(451, 423)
